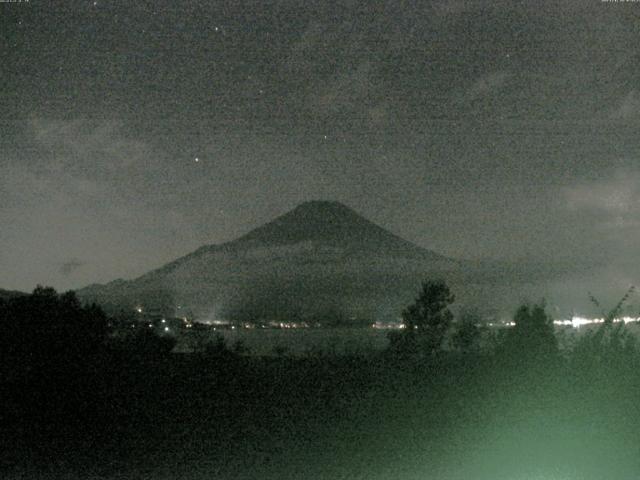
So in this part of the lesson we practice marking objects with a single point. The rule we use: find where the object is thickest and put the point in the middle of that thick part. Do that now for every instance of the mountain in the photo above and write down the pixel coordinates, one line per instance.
(324, 262)
(321, 261)
(330, 224)
(9, 294)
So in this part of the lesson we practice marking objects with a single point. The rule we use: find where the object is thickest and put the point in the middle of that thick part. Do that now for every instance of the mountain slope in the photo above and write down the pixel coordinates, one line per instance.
(9, 294)
(330, 223)
(319, 260)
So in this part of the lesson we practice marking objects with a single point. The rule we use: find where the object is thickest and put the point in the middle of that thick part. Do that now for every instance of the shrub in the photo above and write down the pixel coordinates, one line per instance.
(426, 321)
(49, 332)
(532, 339)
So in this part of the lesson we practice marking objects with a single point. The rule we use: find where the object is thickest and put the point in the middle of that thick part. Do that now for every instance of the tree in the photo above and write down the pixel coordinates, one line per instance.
(610, 344)
(532, 337)
(147, 342)
(427, 320)
(48, 332)
(466, 338)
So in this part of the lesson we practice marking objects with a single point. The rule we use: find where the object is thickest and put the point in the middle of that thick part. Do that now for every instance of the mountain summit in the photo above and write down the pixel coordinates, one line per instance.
(328, 223)
(313, 221)
(319, 259)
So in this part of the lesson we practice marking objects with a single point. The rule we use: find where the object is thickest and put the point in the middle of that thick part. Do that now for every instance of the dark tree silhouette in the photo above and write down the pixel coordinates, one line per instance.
(611, 344)
(49, 333)
(466, 337)
(532, 337)
(145, 341)
(427, 320)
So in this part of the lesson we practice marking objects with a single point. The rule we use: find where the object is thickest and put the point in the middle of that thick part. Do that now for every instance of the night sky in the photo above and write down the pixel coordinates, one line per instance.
(134, 132)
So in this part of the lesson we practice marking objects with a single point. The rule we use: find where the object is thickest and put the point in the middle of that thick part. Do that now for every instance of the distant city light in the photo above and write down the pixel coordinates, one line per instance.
(577, 322)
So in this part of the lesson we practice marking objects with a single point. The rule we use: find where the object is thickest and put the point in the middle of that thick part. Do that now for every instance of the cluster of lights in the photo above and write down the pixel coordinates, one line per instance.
(388, 325)
(577, 322)
(289, 324)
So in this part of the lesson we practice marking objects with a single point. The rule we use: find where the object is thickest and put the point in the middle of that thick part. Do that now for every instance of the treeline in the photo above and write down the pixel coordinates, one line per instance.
(54, 333)
(79, 386)
(430, 332)
(48, 334)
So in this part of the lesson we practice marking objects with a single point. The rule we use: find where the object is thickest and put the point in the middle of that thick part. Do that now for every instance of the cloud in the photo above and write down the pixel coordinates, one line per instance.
(349, 90)
(487, 88)
(605, 216)
(70, 266)
(487, 84)
(87, 191)
(628, 108)
(91, 150)
(617, 195)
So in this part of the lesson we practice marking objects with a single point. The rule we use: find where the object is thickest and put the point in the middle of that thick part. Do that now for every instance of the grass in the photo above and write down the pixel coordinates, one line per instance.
(192, 417)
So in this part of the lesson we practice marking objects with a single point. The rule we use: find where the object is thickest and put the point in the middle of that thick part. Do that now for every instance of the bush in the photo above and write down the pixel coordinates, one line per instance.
(611, 345)
(608, 346)
(532, 339)
(49, 333)
(217, 347)
(466, 338)
(426, 321)
(146, 341)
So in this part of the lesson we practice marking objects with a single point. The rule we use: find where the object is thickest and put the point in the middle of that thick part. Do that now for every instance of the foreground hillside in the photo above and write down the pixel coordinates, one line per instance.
(9, 294)
(85, 397)
(349, 418)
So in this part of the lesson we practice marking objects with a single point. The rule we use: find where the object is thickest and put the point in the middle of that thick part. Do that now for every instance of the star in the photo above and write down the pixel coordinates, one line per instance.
(196, 159)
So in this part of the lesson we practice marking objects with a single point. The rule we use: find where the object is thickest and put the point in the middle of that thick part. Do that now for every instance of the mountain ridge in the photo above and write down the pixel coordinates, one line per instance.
(10, 294)
(320, 256)
(308, 218)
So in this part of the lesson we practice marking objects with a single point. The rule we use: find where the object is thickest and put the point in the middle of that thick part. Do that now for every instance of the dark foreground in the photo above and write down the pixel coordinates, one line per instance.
(195, 417)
